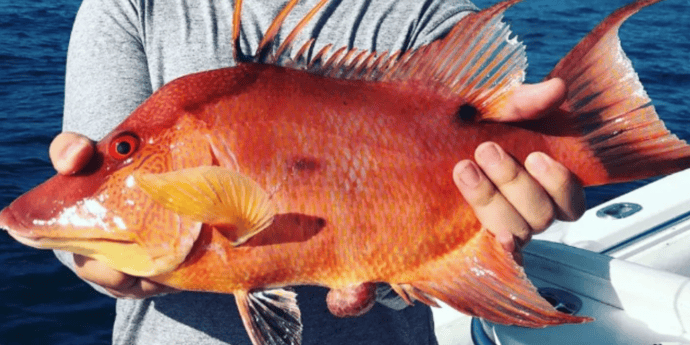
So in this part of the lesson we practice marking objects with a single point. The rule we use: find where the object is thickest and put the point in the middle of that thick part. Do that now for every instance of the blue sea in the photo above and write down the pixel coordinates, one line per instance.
(41, 302)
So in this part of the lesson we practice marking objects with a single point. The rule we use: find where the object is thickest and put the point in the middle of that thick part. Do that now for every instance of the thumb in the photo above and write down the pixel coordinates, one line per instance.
(70, 152)
(533, 101)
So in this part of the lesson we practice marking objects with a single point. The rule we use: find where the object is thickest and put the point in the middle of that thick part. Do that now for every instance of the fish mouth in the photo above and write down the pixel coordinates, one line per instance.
(61, 243)
(25, 234)
(10, 222)
(42, 242)
(16, 229)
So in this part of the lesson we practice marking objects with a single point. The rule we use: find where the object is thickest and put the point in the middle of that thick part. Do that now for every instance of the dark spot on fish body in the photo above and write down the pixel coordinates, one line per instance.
(194, 108)
(465, 114)
(303, 164)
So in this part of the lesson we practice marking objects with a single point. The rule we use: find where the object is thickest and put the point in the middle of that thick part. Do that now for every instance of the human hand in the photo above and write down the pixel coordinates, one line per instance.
(69, 153)
(515, 202)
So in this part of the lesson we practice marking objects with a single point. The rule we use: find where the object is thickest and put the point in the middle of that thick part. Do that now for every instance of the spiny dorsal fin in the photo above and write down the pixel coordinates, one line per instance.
(263, 52)
(476, 61)
(298, 28)
(475, 55)
(236, 20)
(269, 37)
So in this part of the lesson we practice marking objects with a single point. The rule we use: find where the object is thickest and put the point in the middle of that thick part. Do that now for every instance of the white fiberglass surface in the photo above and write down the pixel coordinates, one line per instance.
(657, 235)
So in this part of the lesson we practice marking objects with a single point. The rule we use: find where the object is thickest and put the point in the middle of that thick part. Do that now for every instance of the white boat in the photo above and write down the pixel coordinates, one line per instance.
(626, 263)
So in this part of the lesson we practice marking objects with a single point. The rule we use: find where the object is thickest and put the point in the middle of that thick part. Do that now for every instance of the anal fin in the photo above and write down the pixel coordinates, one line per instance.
(271, 317)
(409, 294)
(482, 279)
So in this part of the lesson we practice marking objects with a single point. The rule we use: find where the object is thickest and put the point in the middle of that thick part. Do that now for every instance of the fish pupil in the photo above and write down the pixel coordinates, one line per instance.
(123, 148)
(466, 113)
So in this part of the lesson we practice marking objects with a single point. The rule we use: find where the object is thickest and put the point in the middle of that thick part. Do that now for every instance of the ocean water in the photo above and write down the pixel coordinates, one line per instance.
(41, 302)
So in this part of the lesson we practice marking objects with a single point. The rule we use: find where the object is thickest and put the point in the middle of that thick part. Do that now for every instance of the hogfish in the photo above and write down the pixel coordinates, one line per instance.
(332, 167)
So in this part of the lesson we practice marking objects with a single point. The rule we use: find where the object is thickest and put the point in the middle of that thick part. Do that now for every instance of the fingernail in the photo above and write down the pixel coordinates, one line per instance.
(468, 175)
(489, 154)
(538, 162)
(507, 241)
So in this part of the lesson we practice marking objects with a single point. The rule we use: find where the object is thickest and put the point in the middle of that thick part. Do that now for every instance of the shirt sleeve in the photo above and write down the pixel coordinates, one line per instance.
(107, 73)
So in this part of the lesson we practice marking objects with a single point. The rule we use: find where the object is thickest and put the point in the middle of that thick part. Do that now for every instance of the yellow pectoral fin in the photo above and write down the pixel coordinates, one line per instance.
(212, 195)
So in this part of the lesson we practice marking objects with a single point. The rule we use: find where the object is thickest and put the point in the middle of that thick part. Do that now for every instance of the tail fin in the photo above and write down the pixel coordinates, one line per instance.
(482, 279)
(613, 118)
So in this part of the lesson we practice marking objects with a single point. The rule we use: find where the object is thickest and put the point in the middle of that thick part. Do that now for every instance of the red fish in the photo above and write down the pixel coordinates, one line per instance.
(290, 170)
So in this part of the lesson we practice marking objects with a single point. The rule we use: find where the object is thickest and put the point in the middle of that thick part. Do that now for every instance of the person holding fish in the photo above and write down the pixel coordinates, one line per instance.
(116, 59)
(121, 52)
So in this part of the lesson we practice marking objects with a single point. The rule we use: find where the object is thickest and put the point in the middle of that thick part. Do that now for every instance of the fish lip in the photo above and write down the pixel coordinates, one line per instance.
(22, 233)
(10, 222)
(24, 239)
(47, 242)
(17, 226)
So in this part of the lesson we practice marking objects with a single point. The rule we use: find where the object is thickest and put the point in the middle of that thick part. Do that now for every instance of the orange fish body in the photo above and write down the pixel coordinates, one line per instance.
(369, 172)
(337, 173)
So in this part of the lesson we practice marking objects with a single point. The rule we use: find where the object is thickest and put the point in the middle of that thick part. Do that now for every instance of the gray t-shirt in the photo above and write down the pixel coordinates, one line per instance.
(122, 50)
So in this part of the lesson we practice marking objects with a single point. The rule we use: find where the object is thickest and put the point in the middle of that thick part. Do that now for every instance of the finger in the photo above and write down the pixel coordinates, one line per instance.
(530, 200)
(563, 187)
(532, 101)
(100, 274)
(491, 208)
(117, 283)
(142, 288)
(70, 152)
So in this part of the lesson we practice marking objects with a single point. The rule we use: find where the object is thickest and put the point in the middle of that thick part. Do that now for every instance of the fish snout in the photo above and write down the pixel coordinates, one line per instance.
(8, 221)
(16, 228)
(41, 206)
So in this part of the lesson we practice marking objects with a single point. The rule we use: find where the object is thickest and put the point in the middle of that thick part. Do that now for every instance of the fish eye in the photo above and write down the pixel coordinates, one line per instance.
(123, 146)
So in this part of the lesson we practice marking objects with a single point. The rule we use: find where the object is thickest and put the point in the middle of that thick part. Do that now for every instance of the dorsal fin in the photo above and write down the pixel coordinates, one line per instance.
(476, 61)
(298, 28)
(475, 52)
(264, 52)
(269, 37)
(236, 19)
